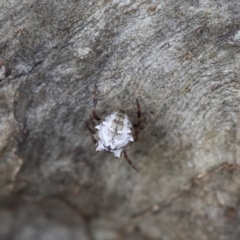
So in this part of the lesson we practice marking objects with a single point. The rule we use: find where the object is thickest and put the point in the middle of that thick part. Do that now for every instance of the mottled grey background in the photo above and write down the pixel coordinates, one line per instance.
(181, 59)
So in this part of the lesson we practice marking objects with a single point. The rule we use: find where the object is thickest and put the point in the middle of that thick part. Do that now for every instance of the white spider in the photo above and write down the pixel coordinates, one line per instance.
(114, 133)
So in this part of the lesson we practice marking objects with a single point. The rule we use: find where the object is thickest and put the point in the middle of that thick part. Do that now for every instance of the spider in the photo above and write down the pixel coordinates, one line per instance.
(114, 133)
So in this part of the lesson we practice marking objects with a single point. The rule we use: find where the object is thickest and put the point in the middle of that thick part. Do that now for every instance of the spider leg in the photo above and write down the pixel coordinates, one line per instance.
(94, 114)
(137, 126)
(94, 140)
(92, 131)
(129, 161)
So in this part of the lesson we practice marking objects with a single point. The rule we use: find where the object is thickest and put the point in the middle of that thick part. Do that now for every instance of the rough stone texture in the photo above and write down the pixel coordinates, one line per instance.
(181, 59)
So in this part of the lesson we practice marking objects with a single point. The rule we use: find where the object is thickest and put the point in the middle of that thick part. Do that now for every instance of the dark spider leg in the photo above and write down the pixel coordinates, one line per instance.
(129, 161)
(94, 140)
(92, 131)
(137, 126)
(94, 114)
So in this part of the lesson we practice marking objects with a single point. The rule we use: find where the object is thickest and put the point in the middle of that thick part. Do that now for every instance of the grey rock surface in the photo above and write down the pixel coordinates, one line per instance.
(181, 59)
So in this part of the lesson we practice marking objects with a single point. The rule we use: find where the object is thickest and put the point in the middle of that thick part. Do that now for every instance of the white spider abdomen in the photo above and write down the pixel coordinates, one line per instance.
(115, 133)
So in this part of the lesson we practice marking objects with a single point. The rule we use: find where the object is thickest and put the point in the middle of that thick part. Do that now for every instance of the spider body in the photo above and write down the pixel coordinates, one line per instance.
(114, 133)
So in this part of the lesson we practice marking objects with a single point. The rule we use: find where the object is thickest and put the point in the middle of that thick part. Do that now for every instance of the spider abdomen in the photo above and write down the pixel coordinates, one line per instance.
(115, 133)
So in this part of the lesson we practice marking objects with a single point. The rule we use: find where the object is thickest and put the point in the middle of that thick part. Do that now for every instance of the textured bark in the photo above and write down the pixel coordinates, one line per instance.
(181, 59)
